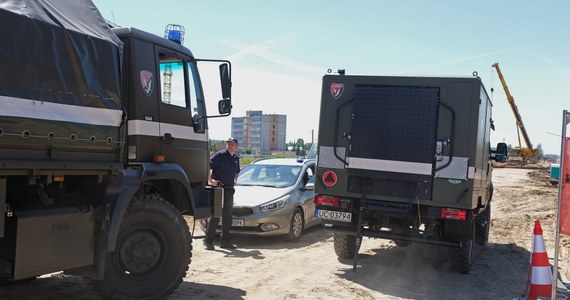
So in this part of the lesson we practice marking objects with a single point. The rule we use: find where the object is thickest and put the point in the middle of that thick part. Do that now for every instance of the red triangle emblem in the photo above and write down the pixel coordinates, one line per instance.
(329, 178)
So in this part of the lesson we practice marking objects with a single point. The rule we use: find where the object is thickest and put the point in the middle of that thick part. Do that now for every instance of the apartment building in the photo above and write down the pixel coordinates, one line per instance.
(260, 133)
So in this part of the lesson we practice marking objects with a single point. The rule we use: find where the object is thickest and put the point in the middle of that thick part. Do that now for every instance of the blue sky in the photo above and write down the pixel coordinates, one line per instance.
(281, 49)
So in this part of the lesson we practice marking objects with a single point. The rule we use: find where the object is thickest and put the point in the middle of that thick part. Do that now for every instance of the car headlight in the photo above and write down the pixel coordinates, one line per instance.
(275, 204)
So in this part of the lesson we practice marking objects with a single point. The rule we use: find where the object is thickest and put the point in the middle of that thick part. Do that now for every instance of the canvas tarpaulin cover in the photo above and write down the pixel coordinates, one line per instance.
(60, 61)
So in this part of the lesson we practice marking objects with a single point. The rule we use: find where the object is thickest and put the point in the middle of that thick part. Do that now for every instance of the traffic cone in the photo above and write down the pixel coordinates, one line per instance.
(540, 274)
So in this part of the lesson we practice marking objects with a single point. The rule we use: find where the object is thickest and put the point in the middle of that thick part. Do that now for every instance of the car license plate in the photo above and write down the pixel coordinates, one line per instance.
(340, 216)
(235, 222)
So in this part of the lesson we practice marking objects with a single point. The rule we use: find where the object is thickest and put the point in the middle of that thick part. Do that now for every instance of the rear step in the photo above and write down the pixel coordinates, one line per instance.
(392, 236)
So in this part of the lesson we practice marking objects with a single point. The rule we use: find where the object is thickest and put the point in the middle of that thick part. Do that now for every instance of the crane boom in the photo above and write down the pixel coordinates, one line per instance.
(515, 110)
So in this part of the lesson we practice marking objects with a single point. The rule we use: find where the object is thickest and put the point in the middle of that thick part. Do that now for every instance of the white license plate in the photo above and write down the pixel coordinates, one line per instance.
(238, 222)
(339, 216)
(235, 222)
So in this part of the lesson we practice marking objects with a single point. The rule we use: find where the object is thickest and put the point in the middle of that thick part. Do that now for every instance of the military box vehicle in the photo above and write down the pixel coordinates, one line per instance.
(406, 159)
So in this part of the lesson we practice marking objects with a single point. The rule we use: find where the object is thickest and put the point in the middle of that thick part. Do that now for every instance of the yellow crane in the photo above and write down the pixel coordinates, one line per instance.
(529, 153)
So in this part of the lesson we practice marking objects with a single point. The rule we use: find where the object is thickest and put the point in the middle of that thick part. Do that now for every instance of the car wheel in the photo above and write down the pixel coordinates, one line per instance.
(296, 226)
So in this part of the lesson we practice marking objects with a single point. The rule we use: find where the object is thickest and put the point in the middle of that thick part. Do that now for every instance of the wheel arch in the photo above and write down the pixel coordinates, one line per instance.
(171, 182)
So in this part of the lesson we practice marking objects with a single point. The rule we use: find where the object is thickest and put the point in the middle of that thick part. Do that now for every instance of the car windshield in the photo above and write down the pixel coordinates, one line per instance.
(269, 175)
(312, 152)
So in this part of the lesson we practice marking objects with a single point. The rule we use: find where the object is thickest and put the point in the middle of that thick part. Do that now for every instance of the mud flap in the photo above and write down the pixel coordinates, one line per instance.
(358, 235)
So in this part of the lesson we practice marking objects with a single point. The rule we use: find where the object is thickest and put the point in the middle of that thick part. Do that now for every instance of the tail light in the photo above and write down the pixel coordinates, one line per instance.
(453, 213)
(159, 159)
(321, 200)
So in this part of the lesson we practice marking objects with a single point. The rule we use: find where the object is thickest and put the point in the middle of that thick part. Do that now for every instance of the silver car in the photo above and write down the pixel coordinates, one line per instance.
(275, 197)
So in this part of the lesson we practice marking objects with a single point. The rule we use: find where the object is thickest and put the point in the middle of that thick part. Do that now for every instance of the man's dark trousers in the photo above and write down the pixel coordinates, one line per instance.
(226, 218)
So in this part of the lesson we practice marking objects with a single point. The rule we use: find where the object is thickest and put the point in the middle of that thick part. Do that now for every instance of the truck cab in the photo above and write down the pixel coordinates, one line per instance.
(166, 110)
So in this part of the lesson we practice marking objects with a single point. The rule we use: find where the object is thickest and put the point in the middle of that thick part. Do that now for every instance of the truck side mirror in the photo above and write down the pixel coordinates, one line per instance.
(501, 154)
(224, 106)
(226, 81)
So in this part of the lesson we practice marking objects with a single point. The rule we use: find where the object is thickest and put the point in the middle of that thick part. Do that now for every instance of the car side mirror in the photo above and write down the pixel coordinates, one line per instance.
(310, 185)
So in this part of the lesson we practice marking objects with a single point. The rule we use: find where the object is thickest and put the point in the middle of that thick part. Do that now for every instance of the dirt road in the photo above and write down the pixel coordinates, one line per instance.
(271, 268)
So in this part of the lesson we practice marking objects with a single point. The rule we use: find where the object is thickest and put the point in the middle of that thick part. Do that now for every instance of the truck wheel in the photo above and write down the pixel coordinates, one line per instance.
(152, 255)
(344, 245)
(463, 256)
(482, 232)
(296, 226)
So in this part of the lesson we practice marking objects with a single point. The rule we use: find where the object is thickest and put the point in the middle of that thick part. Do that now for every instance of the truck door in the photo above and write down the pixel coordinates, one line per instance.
(393, 138)
(183, 137)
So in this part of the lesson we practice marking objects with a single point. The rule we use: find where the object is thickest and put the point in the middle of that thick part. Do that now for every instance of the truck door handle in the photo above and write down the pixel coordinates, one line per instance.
(168, 138)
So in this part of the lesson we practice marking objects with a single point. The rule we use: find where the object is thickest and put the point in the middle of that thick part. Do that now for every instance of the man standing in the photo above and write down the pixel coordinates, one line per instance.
(225, 168)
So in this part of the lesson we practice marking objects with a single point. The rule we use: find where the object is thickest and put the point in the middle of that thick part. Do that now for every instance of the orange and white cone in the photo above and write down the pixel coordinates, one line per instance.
(540, 274)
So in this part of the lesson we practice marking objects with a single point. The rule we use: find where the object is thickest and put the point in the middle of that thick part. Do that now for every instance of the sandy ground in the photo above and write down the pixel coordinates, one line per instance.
(270, 268)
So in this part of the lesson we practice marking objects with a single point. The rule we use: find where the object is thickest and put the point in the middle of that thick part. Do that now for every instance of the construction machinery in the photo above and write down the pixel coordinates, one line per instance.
(518, 153)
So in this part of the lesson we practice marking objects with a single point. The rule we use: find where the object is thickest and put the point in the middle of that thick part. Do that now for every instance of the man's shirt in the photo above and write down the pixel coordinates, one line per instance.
(224, 167)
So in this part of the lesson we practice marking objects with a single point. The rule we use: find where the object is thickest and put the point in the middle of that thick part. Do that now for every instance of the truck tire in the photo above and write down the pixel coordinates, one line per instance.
(296, 226)
(153, 251)
(344, 245)
(462, 257)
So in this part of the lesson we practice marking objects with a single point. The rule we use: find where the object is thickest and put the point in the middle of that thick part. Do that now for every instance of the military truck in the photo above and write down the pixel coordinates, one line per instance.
(406, 159)
(103, 149)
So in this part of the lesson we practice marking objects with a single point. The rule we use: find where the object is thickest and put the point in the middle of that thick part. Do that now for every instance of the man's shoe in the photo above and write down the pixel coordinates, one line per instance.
(208, 245)
(228, 246)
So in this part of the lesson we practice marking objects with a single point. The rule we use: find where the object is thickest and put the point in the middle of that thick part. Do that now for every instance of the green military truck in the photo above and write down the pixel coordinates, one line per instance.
(406, 159)
(103, 149)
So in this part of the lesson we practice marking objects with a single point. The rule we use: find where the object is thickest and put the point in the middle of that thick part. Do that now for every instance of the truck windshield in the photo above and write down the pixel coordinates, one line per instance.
(172, 82)
(313, 151)
(173, 73)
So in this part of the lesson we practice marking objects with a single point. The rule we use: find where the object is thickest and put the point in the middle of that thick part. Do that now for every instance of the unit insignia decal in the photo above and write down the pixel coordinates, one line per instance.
(337, 89)
(146, 82)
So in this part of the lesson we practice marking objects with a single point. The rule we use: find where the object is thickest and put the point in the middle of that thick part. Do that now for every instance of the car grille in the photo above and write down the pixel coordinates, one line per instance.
(242, 211)
(247, 228)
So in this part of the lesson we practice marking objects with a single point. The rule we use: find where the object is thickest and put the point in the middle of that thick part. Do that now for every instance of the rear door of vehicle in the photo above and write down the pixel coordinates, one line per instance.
(393, 141)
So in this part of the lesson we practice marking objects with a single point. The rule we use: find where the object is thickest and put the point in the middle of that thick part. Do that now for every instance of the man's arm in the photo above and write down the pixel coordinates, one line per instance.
(210, 180)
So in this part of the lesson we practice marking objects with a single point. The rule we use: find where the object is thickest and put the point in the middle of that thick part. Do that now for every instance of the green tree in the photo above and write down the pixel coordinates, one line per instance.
(540, 151)
(300, 147)
(291, 145)
(213, 145)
